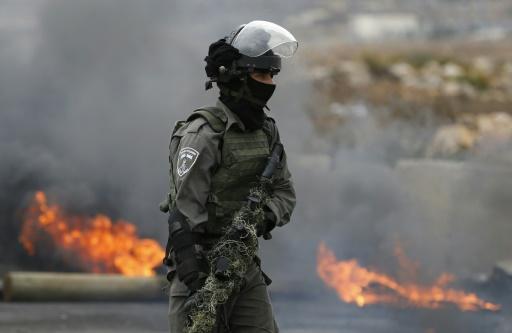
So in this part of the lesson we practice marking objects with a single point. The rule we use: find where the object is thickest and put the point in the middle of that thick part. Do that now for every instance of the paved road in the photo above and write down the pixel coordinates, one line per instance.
(295, 315)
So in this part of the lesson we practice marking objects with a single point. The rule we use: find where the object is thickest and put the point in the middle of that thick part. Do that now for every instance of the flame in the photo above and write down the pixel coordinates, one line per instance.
(356, 284)
(96, 243)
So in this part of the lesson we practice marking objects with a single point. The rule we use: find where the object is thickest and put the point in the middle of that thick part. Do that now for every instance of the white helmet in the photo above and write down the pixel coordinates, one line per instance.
(258, 37)
(262, 45)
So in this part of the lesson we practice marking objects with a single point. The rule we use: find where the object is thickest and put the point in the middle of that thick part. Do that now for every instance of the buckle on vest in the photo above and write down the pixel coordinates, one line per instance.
(211, 207)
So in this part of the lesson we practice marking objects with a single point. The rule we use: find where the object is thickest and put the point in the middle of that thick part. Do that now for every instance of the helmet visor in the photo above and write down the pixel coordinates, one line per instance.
(259, 37)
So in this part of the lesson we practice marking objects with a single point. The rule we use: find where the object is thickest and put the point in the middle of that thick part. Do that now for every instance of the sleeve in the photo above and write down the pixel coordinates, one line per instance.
(194, 155)
(283, 198)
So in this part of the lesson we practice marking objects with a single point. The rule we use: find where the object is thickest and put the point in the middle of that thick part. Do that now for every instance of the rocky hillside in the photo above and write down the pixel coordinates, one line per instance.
(461, 91)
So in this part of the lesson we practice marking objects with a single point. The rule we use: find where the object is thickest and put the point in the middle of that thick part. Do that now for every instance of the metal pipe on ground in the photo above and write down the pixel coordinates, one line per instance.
(62, 287)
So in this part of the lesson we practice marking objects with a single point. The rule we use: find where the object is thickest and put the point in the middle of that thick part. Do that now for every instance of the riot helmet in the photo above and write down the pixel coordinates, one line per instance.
(258, 37)
(260, 45)
(257, 46)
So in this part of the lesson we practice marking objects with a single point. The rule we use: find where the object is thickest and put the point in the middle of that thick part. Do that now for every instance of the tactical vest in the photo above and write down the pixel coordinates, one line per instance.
(244, 156)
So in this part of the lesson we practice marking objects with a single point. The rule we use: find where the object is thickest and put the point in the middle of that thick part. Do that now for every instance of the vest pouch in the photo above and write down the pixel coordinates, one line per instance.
(244, 156)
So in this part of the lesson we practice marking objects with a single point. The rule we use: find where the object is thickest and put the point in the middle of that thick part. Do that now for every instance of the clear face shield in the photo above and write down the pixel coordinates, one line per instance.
(254, 41)
(258, 37)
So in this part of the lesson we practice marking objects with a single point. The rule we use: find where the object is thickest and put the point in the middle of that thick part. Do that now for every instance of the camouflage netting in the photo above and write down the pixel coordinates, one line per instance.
(239, 245)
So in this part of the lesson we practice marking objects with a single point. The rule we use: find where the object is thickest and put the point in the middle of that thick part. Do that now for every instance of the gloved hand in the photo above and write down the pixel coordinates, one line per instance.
(190, 266)
(269, 223)
(220, 53)
(190, 273)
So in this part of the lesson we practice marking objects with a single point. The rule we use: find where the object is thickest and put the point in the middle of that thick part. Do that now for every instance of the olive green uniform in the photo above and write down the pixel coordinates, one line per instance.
(215, 168)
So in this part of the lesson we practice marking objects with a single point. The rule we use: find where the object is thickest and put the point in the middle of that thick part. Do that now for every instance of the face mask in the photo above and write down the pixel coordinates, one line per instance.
(259, 90)
(252, 115)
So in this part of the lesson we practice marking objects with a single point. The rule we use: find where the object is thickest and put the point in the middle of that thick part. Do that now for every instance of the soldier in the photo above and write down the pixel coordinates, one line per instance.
(216, 156)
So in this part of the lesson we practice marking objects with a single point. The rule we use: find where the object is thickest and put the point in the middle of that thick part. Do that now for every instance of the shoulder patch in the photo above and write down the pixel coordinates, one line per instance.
(186, 159)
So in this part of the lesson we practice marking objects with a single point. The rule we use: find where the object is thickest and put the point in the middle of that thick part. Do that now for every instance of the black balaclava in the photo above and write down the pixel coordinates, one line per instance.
(251, 114)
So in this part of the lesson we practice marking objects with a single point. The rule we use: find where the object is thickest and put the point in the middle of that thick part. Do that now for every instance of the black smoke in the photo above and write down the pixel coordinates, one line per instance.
(89, 91)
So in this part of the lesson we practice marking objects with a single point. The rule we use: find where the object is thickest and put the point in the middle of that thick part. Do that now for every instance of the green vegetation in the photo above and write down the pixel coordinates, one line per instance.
(377, 65)
(477, 80)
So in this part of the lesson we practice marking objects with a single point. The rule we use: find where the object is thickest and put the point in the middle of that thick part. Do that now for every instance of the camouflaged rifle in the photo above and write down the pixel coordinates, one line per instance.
(230, 258)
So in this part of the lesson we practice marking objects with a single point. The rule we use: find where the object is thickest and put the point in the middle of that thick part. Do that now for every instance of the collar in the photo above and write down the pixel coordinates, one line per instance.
(232, 118)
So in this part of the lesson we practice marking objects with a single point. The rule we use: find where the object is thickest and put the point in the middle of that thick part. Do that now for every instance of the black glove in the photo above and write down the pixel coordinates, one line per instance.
(189, 266)
(269, 223)
(220, 53)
